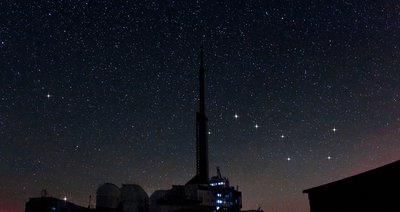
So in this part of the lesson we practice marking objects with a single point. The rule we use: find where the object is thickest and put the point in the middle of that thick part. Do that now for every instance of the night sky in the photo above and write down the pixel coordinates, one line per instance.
(107, 91)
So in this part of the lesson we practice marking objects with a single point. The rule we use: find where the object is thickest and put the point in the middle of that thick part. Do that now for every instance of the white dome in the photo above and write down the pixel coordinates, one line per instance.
(133, 193)
(108, 196)
(108, 189)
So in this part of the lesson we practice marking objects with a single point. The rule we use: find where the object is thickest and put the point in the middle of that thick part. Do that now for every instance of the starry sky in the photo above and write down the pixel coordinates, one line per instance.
(107, 91)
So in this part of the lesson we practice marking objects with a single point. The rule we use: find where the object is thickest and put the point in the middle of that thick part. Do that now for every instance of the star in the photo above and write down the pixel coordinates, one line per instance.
(65, 198)
(139, 99)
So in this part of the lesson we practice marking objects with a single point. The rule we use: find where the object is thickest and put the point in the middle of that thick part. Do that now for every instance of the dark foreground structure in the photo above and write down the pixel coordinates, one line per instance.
(200, 193)
(51, 204)
(374, 190)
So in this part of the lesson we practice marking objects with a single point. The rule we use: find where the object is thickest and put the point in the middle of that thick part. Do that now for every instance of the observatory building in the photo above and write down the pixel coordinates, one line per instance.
(199, 194)
(128, 198)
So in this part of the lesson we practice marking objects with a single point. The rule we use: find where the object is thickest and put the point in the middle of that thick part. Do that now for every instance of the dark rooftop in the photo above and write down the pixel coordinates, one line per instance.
(380, 175)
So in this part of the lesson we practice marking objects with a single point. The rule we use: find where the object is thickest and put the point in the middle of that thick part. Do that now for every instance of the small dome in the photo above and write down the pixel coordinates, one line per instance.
(107, 196)
(108, 189)
(133, 193)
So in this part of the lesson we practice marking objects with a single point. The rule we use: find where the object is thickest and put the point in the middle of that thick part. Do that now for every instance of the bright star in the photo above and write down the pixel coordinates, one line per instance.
(282, 136)
(329, 157)
(236, 116)
(334, 129)
(65, 198)
(289, 159)
(48, 95)
(256, 126)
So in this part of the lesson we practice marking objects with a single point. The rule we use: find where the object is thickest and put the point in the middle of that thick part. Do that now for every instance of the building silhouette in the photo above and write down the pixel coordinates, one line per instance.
(374, 190)
(128, 198)
(200, 193)
(202, 175)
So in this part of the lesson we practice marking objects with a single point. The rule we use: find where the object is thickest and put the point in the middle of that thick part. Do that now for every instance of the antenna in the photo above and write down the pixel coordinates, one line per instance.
(219, 173)
(44, 193)
(90, 200)
(201, 57)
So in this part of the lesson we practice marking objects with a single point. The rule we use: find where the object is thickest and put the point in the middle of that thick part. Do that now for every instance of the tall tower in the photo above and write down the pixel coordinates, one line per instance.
(202, 176)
